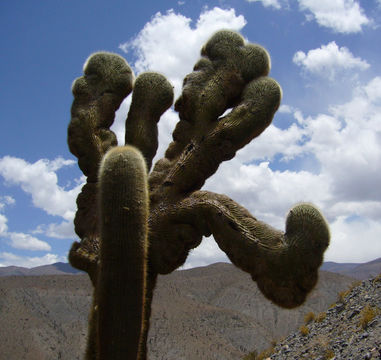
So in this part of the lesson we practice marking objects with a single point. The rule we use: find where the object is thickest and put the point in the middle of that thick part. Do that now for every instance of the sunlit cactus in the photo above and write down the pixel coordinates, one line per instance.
(232, 75)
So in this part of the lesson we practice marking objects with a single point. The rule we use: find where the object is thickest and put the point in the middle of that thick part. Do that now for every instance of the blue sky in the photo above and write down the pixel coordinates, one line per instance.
(324, 145)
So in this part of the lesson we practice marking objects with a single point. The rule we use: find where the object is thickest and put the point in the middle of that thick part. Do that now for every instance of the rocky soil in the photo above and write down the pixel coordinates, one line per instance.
(349, 329)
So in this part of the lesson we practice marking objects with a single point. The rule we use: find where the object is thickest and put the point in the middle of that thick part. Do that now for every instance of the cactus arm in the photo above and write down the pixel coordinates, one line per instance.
(123, 211)
(106, 82)
(231, 74)
(284, 264)
(152, 96)
(260, 100)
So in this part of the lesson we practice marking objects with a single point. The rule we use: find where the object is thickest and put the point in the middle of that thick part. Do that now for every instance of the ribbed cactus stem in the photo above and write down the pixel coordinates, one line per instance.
(123, 203)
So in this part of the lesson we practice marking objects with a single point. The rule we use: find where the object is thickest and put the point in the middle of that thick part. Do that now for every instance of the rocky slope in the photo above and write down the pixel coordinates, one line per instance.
(350, 329)
(215, 312)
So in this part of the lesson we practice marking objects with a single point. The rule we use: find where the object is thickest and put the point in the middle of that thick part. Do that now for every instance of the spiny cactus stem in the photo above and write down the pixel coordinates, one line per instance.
(123, 209)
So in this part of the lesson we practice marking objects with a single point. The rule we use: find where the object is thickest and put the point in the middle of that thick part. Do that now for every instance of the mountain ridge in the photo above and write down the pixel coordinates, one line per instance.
(360, 271)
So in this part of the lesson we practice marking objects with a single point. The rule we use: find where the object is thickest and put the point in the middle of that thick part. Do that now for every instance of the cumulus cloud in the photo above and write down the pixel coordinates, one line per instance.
(206, 253)
(268, 3)
(8, 259)
(63, 230)
(15, 239)
(329, 60)
(342, 16)
(40, 181)
(27, 242)
(169, 44)
(347, 143)
(3, 225)
(355, 240)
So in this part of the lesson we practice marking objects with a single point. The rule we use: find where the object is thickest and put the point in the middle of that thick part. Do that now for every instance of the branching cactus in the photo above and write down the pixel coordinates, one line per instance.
(113, 219)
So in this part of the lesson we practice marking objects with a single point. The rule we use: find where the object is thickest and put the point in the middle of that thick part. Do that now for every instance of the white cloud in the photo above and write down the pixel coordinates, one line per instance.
(18, 240)
(27, 242)
(347, 143)
(355, 241)
(63, 230)
(343, 16)
(170, 45)
(266, 3)
(329, 60)
(206, 253)
(287, 142)
(40, 181)
(3, 225)
(8, 259)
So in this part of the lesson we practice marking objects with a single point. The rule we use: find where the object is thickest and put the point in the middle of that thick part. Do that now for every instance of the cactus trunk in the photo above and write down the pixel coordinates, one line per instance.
(123, 210)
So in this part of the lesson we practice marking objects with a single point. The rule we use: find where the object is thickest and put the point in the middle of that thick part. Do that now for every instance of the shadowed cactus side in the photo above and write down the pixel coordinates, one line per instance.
(232, 75)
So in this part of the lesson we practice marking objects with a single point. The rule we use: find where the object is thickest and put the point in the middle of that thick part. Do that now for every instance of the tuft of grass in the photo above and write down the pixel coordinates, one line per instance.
(304, 330)
(309, 317)
(367, 314)
(320, 317)
(251, 356)
(262, 355)
(329, 354)
(341, 296)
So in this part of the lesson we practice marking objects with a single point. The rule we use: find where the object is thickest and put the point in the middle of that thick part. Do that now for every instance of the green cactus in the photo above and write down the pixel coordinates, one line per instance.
(123, 212)
(230, 74)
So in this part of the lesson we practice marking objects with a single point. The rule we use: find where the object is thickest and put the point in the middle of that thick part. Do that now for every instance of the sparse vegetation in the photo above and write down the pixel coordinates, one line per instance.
(251, 356)
(377, 278)
(321, 316)
(309, 317)
(329, 354)
(262, 355)
(304, 330)
(341, 295)
(367, 314)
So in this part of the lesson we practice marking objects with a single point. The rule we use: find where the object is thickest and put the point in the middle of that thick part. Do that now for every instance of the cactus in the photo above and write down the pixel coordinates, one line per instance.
(123, 205)
(231, 74)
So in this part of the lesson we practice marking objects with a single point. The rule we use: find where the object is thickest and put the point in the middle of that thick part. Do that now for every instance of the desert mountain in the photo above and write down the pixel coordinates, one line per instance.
(213, 312)
(355, 270)
(358, 271)
(59, 268)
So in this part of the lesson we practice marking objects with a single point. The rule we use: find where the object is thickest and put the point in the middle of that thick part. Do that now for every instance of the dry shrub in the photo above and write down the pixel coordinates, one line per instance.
(309, 317)
(304, 330)
(367, 314)
(320, 317)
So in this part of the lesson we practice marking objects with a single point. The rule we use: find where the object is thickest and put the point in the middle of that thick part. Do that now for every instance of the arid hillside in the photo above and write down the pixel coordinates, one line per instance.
(214, 312)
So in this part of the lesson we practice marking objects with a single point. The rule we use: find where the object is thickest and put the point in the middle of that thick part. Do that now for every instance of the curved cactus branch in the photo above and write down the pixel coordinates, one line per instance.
(98, 94)
(284, 264)
(231, 75)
